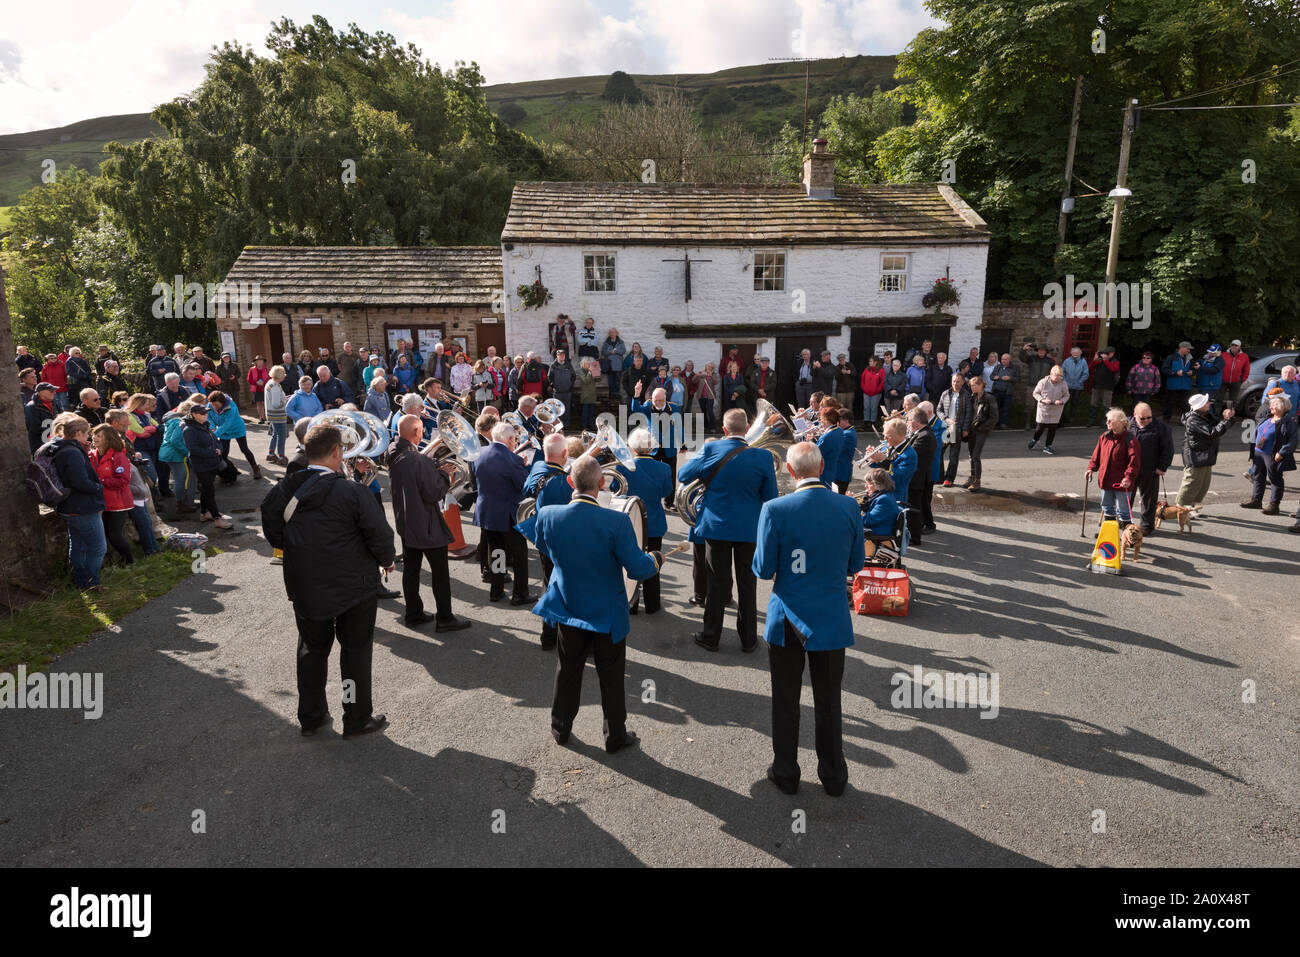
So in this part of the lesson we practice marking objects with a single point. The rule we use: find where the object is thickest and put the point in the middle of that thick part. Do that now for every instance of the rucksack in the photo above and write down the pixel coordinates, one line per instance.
(43, 479)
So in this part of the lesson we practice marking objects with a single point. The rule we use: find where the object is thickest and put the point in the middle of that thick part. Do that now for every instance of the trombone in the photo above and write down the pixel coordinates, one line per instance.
(465, 401)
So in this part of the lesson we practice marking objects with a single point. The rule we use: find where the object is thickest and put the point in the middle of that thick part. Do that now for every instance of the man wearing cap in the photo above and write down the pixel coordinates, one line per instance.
(1104, 373)
(202, 361)
(758, 381)
(1236, 370)
(824, 374)
(159, 364)
(39, 413)
(1200, 448)
(1209, 373)
(1143, 380)
(1179, 370)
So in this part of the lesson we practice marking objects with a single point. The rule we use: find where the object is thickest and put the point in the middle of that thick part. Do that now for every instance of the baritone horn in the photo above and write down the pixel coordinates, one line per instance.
(364, 437)
(771, 431)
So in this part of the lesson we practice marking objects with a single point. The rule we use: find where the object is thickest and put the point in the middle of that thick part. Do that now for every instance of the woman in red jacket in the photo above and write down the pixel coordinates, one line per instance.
(1117, 459)
(114, 471)
(258, 377)
(873, 384)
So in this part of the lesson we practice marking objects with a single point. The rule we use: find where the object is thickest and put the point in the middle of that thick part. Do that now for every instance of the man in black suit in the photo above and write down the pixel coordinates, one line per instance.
(335, 539)
(418, 487)
(925, 445)
(501, 474)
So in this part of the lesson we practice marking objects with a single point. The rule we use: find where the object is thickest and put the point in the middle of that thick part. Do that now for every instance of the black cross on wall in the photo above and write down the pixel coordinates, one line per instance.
(686, 259)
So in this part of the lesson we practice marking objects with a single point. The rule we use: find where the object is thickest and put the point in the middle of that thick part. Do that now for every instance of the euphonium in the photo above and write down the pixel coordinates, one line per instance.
(606, 440)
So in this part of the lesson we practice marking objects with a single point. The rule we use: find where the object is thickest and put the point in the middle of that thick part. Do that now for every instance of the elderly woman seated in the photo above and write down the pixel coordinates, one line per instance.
(880, 510)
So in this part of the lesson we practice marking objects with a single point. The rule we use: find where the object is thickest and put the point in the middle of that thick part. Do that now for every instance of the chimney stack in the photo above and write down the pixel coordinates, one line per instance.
(819, 172)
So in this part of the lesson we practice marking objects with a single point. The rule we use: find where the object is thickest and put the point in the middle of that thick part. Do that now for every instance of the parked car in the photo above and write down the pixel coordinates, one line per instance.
(1266, 363)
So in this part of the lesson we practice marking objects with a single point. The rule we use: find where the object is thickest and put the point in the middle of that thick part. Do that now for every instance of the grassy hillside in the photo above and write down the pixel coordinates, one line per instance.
(80, 145)
(759, 98)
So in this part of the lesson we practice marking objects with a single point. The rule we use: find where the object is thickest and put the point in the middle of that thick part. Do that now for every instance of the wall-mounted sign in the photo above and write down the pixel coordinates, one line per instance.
(489, 319)
(311, 321)
(228, 343)
(883, 347)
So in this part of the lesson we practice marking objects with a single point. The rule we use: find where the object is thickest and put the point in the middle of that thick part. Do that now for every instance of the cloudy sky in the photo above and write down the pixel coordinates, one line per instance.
(78, 59)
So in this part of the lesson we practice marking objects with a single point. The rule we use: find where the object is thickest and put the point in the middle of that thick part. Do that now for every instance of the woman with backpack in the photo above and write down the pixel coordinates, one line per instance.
(113, 469)
(84, 502)
(228, 426)
(205, 459)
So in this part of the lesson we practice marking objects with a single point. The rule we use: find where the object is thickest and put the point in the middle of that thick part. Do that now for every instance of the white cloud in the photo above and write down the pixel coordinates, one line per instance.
(87, 58)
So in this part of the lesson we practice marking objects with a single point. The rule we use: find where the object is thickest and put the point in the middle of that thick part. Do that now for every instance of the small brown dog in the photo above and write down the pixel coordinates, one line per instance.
(1183, 513)
(1130, 540)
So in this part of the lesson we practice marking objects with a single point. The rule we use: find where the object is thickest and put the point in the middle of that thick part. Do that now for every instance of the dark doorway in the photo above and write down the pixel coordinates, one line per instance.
(995, 340)
(316, 337)
(786, 361)
(866, 341)
(491, 334)
(276, 334)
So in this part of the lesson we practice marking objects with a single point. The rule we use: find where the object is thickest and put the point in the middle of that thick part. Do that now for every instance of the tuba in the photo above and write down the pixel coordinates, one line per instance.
(457, 444)
(607, 447)
(523, 437)
(550, 414)
(771, 431)
(364, 436)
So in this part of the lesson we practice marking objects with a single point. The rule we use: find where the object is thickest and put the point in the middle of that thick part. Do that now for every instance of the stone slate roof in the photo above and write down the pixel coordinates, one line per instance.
(696, 214)
(370, 275)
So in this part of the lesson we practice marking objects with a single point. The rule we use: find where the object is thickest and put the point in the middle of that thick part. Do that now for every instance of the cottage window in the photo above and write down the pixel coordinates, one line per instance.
(598, 273)
(893, 273)
(769, 272)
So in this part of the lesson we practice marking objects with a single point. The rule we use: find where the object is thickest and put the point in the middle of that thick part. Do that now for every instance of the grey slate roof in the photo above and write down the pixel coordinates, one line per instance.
(715, 215)
(370, 275)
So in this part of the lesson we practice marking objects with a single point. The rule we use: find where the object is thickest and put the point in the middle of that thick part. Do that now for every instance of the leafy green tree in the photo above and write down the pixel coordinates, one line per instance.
(852, 124)
(993, 91)
(621, 88)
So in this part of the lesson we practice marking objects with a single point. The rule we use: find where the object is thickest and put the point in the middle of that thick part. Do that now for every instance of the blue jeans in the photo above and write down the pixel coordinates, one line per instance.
(148, 467)
(870, 408)
(1004, 406)
(279, 434)
(144, 525)
(1116, 500)
(588, 416)
(86, 548)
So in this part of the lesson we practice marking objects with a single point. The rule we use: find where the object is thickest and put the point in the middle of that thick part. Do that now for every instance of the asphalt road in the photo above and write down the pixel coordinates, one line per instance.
(1120, 695)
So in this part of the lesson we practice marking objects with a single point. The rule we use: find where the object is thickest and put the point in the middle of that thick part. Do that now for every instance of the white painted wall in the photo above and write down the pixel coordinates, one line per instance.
(837, 281)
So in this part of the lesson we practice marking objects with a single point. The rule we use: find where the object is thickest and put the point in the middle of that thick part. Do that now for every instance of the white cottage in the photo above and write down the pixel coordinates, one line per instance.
(699, 268)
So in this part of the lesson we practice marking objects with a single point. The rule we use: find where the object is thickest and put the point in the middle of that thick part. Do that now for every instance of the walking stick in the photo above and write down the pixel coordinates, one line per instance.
(1083, 526)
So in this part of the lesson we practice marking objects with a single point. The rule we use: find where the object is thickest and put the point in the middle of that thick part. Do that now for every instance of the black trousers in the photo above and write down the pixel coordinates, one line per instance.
(513, 548)
(574, 646)
(700, 571)
(975, 446)
(660, 456)
(208, 493)
(548, 629)
(927, 503)
(1148, 489)
(953, 453)
(243, 447)
(650, 586)
(720, 556)
(355, 631)
(826, 669)
(115, 534)
(412, 559)
(916, 510)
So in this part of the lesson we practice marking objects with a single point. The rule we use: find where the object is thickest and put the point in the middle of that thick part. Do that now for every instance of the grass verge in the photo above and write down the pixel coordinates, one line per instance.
(53, 626)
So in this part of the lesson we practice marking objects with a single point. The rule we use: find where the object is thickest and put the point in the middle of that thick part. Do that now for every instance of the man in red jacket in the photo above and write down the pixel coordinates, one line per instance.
(1118, 458)
(1236, 370)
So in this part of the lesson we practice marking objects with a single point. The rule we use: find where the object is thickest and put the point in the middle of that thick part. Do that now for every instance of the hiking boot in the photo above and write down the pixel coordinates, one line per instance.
(1269, 509)
(1252, 503)
(257, 473)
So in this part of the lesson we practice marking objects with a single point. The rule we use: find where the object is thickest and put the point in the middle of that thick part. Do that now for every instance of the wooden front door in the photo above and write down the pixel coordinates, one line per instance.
(490, 334)
(317, 337)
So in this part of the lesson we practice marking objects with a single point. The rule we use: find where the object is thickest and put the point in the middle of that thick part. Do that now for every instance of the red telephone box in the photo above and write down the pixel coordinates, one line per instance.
(1082, 327)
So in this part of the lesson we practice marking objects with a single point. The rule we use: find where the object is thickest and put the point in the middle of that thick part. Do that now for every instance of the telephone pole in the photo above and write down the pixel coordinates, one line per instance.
(1119, 194)
(1069, 167)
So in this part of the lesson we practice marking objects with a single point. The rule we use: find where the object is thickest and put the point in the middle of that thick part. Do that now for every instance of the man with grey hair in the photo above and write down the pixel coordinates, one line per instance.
(501, 474)
(652, 482)
(921, 485)
(664, 418)
(808, 543)
(738, 480)
(548, 483)
(803, 379)
(590, 548)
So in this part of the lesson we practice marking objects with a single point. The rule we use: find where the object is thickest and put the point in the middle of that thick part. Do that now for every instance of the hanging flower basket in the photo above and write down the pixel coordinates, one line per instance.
(942, 293)
(534, 296)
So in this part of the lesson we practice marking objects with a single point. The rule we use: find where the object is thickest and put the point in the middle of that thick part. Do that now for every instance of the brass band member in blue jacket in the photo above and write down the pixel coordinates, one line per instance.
(590, 547)
(808, 542)
(548, 482)
(665, 421)
(500, 474)
(848, 452)
(728, 522)
(652, 482)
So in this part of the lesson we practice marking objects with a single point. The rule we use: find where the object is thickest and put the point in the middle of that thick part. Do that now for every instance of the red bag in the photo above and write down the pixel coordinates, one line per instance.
(881, 591)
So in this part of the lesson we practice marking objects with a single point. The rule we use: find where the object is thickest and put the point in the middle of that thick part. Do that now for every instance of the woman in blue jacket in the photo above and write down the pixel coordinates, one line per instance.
(84, 506)
(880, 513)
(916, 375)
(303, 404)
(895, 386)
(1274, 453)
(228, 426)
